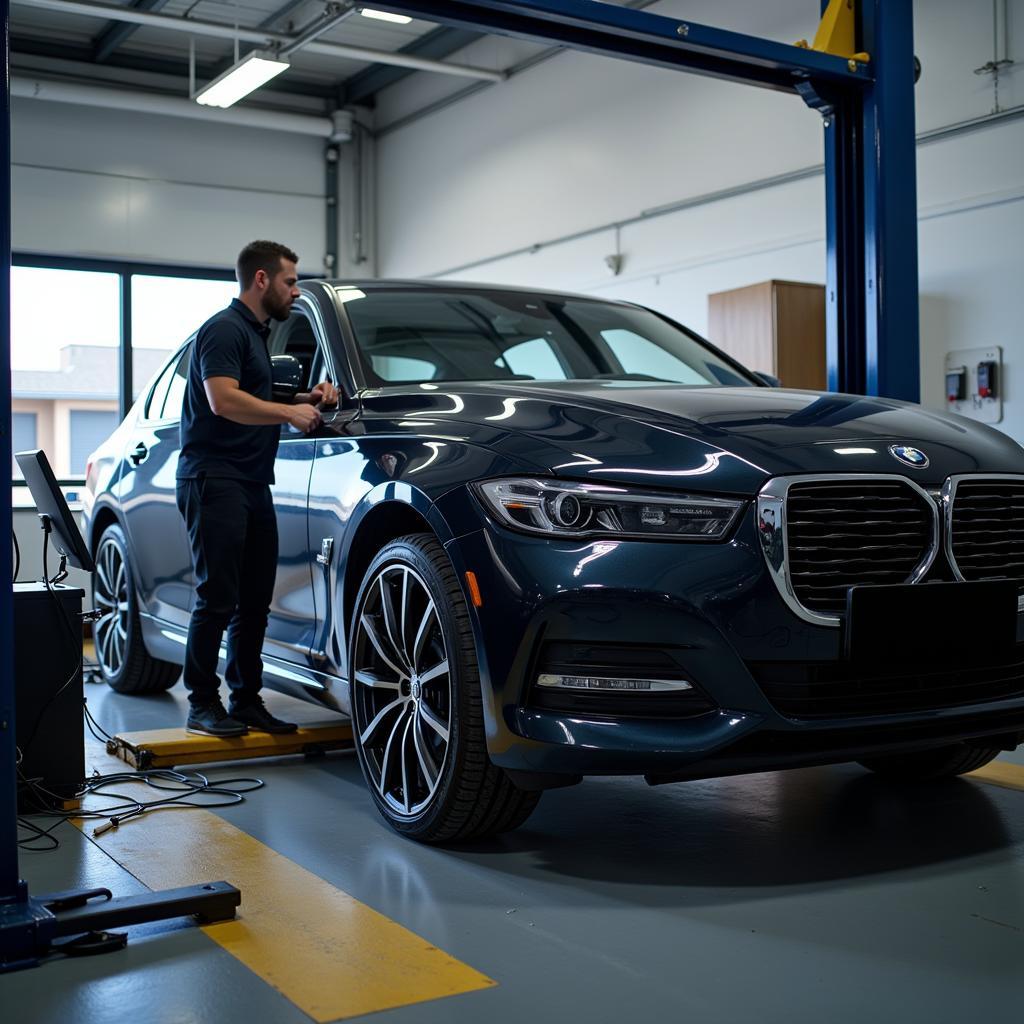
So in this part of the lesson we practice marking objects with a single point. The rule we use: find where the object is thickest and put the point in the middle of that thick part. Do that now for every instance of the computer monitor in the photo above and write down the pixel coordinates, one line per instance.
(49, 499)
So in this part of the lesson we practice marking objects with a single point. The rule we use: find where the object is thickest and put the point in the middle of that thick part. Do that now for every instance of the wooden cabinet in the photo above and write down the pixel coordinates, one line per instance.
(777, 327)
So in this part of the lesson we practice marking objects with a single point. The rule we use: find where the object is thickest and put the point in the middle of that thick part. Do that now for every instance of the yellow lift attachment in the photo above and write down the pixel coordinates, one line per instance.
(166, 748)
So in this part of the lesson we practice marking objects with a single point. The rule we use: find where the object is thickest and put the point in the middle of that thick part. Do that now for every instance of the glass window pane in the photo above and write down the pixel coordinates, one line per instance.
(176, 392)
(476, 334)
(89, 428)
(155, 402)
(640, 356)
(165, 311)
(65, 332)
(23, 437)
(535, 359)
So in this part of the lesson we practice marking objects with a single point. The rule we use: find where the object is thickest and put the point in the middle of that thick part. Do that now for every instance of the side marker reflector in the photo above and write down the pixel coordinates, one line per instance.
(474, 590)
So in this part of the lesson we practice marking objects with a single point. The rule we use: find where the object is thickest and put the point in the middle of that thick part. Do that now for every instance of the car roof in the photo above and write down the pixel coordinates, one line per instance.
(418, 284)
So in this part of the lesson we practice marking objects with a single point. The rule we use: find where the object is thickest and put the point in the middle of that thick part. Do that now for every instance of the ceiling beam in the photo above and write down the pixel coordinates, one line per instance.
(116, 32)
(436, 45)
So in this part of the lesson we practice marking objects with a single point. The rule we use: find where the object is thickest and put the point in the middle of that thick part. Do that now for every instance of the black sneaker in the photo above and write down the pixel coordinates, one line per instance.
(213, 720)
(256, 716)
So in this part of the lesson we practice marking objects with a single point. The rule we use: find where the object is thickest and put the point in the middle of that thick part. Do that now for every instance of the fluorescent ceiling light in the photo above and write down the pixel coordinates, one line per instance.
(248, 74)
(398, 19)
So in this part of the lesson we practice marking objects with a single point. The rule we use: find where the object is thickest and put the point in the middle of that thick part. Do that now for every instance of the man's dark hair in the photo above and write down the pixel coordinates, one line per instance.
(261, 255)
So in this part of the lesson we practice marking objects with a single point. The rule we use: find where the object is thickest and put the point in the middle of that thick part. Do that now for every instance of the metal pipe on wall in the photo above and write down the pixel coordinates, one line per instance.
(150, 103)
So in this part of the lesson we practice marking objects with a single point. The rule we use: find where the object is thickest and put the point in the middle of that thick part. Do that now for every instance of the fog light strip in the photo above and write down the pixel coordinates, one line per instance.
(609, 684)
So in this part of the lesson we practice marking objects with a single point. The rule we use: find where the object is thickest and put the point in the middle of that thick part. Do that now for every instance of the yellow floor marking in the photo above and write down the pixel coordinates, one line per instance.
(331, 955)
(1001, 773)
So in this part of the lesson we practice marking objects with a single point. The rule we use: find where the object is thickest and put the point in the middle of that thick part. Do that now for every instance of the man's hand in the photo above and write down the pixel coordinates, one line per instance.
(324, 393)
(304, 418)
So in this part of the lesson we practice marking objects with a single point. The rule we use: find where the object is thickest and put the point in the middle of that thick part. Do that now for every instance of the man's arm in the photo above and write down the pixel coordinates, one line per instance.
(227, 399)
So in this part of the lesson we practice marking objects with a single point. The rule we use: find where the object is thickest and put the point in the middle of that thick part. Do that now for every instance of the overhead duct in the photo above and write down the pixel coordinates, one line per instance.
(337, 128)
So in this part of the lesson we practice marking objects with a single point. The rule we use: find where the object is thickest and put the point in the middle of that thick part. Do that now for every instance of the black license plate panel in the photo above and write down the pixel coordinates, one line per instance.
(932, 623)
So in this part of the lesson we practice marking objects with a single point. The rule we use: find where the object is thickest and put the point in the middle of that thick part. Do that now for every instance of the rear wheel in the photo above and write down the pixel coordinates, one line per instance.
(123, 659)
(417, 709)
(925, 765)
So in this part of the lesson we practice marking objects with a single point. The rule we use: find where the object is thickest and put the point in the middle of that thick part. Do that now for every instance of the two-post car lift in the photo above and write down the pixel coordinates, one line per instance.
(859, 75)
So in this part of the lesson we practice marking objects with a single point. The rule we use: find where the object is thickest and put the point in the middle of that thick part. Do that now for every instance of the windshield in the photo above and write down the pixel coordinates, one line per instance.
(480, 335)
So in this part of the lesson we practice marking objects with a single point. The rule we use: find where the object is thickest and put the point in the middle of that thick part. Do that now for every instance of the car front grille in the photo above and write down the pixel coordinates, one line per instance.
(986, 529)
(839, 689)
(843, 533)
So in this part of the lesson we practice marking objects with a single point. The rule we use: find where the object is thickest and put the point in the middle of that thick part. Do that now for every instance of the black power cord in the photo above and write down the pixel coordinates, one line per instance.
(17, 555)
(185, 789)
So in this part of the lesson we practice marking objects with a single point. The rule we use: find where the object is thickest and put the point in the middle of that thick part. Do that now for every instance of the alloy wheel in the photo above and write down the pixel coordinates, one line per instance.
(402, 690)
(110, 595)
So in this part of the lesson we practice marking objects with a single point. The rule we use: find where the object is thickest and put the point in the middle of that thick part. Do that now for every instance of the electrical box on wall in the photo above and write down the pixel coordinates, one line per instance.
(974, 383)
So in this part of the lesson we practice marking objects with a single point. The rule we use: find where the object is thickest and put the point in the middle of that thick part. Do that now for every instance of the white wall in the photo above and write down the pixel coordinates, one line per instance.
(126, 185)
(581, 141)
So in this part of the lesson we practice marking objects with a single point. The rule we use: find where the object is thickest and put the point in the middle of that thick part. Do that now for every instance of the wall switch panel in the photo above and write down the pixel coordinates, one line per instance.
(974, 383)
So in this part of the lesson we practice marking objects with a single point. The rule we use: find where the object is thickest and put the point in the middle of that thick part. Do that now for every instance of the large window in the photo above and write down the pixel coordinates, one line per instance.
(65, 337)
(69, 319)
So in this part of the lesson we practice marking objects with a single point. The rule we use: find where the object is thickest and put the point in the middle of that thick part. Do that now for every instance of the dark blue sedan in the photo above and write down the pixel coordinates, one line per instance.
(545, 536)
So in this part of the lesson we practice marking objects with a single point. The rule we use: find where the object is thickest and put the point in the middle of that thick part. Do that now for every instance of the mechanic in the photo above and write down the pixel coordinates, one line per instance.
(230, 429)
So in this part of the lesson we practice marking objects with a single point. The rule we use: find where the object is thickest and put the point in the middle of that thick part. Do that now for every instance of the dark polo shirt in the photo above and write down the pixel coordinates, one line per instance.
(232, 343)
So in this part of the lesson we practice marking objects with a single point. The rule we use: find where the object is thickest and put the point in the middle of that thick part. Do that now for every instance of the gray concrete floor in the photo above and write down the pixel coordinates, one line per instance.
(813, 895)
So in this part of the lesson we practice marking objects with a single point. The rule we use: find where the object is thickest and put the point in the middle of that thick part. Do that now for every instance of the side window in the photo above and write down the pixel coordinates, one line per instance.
(296, 337)
(534, 358)
(639, 355)
(155, 402)
(176, 391)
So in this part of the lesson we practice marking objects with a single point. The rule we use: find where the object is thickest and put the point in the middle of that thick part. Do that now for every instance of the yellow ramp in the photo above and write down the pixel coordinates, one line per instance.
(331, 955)
(165, 748)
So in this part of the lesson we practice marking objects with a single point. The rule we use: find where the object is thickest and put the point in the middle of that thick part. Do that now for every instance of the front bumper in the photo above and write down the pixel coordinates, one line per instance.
(716, 609)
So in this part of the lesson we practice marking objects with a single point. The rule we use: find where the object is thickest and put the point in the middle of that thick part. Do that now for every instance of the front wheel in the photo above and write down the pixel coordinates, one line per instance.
(417, 709)
(123, 659)
(926, 765)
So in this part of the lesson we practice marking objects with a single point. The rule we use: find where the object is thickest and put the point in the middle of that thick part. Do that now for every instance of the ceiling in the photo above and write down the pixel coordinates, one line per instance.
(99, 49)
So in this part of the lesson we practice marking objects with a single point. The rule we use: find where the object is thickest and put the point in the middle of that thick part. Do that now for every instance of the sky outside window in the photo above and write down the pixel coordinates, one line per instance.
(165, 312)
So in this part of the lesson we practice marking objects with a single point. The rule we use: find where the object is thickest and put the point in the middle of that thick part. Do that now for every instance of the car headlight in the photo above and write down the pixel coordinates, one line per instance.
(562, 509)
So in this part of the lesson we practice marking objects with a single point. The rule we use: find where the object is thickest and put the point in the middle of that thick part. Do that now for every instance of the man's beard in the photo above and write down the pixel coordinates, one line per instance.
(278, 309)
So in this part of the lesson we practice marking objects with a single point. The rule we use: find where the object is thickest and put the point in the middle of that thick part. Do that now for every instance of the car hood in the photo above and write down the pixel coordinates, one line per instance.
(722, 439)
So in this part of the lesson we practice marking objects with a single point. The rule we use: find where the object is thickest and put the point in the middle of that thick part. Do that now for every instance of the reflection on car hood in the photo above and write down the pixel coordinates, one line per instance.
(729, 439)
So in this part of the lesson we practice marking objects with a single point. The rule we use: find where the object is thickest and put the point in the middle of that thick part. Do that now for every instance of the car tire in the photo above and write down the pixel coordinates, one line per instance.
(417, 708)
(124, 662)
(927, 765)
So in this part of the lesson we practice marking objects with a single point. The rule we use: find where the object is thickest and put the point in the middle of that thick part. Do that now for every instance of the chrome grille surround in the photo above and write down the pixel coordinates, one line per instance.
(772, 528)
(949, 501)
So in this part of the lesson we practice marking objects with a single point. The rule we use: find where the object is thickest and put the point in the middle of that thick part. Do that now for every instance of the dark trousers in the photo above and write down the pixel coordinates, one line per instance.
(232, 531)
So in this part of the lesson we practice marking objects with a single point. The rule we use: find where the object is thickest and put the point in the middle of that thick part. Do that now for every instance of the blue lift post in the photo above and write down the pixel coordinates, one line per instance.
(871, 227)
(870, 158)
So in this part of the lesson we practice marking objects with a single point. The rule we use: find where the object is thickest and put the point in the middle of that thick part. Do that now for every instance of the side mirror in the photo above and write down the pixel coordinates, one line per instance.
(772, 382)
(287, 372)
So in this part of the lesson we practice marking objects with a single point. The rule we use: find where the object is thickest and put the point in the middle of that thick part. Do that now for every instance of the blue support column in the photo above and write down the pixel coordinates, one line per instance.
(889, 174)
(11, 891)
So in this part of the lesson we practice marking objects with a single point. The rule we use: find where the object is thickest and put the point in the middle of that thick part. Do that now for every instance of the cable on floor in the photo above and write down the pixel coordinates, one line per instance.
(183, 789)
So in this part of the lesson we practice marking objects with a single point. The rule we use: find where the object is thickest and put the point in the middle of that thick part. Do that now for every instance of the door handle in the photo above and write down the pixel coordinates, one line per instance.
(139, 453)
(326, 548)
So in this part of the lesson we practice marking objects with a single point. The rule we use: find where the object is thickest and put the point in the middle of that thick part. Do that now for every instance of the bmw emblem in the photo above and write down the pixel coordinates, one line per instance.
(913, 457)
